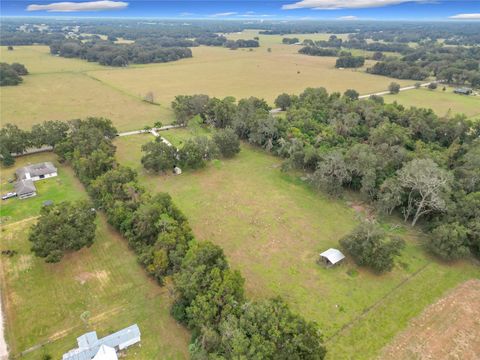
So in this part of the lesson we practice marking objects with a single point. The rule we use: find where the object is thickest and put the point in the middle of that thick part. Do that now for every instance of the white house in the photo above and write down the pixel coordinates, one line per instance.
(36, 172)
(91, 347)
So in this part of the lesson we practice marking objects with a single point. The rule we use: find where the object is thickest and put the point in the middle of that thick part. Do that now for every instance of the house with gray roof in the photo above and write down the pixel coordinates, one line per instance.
(91, 347)
(36, 172)
(25, 189)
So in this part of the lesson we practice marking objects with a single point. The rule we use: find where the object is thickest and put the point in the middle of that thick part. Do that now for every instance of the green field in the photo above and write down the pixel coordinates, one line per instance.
(65, 187)
(442, 102)
(272, 227)
(60, 89)
(43, 302)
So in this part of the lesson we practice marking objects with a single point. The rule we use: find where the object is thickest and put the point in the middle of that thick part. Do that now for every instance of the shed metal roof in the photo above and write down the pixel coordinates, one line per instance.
(333, 255)
(24, 187)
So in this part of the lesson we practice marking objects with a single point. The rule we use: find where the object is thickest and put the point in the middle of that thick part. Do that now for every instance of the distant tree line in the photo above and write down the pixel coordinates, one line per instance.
(108, 53)
(350, 61)
(455, 65)
(11, 75)
(290, 41)
(318, 51)
(210, 296)
(404, 160)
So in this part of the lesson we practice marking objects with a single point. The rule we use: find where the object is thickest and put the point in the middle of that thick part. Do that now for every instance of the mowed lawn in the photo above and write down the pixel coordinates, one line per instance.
(43, 303)
(59, 89)
(272, 227)
(64, 187)
(442, 102)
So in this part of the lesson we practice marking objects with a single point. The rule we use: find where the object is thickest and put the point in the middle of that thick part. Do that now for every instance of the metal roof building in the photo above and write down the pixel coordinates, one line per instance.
(89, 345)
(25, 189)
(36, 171)
(332, 256)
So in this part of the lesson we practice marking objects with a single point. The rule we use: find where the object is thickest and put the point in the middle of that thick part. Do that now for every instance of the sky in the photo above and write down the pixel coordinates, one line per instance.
(345, 10)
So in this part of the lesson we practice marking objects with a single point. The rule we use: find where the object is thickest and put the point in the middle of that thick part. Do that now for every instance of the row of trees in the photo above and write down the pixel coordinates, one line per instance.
(210, 296)
(194, 154)
(349, 61)
(457, 65)
(11, 75)
(318, 51)
(14, 140)
(108, 53)
(405, 160)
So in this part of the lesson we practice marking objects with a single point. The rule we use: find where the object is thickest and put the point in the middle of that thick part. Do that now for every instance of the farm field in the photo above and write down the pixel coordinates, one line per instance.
(272, 227)
(447, 329)
(104, 280)
(59, 89)
(442, 102)
(242, 73)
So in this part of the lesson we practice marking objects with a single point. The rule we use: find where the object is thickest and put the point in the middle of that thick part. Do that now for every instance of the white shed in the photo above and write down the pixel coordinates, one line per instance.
(331, 257)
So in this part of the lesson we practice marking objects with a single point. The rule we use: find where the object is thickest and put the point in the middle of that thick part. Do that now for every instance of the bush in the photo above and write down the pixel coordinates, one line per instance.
(369, 245)
(449, 241)
(394, 88)
(61, 228)
(227, 142)
(159, 157)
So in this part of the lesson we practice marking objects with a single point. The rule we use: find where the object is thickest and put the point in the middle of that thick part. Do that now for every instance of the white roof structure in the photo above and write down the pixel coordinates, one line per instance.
(106, 353)
(333, 256)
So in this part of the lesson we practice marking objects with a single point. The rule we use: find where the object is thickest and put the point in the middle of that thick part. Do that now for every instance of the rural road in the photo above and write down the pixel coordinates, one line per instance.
(153, 131)
(388, 92)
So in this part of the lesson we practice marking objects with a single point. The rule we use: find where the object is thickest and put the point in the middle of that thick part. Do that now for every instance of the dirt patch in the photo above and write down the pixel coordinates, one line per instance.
(448, 329)
(83, 277)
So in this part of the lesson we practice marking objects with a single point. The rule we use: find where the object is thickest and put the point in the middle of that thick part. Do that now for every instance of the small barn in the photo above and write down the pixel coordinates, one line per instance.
(331, 257)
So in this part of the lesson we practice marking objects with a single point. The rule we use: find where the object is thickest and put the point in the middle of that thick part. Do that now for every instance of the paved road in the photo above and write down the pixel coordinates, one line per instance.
(3, 344)
(388, 92)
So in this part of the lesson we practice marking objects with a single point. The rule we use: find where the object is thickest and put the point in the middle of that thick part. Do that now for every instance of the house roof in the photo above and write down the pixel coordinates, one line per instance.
(39, 169)
(106, 353)
(89, 345)
(24, 187)
(333, 255)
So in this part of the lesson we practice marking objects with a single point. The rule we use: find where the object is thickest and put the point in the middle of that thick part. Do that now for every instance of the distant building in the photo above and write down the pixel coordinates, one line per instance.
(463, 91)
(331, 257)
(92, 348)
(36, 172)
(25, 189)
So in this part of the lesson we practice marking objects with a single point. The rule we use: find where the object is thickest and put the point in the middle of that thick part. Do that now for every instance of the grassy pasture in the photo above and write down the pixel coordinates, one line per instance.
(59, 89)
(272, 227)
(43, 302)
(242, 73)
(440, 101)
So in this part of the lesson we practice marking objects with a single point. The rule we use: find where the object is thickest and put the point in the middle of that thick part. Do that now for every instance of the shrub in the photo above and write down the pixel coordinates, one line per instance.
(227, 142)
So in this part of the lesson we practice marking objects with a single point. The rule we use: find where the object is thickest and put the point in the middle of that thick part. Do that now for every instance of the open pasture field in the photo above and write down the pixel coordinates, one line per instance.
(448, 329)
(272, 227)
(241, 73)
(442, 102)
(43, 303)
(59, 89)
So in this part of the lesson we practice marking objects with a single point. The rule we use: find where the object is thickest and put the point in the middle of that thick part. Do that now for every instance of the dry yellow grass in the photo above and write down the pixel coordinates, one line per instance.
(241, 73)
(66, 96)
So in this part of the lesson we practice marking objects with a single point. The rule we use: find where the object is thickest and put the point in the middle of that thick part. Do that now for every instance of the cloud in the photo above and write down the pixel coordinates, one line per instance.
(250, 15)
(224, 14)
(466, 16)
(79, 6)
(343, 4)
(349, 17)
